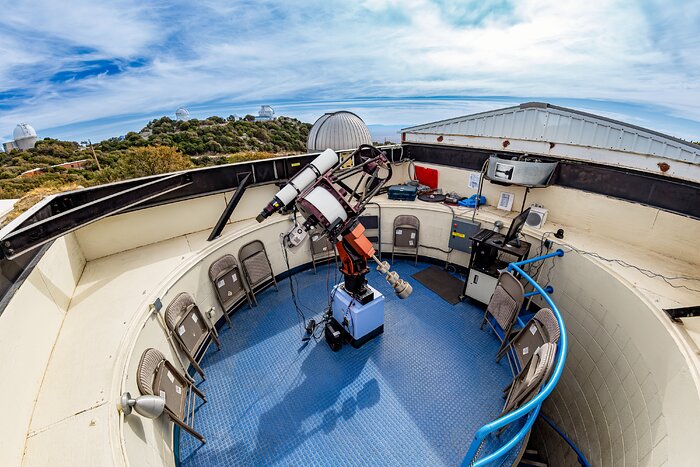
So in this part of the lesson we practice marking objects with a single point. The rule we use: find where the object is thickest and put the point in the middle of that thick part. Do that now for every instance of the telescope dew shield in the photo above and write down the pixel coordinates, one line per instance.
(317, 167)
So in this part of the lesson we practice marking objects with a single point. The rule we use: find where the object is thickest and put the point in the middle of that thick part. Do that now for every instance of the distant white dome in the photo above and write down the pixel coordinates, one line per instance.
(23, 130)
(182, 114)
(338, 130)
(24, 136)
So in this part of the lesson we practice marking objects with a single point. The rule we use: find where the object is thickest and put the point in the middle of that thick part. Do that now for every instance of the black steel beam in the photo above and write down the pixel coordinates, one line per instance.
(52, 227)
(226, 215)
(686, 312)
(205, 181)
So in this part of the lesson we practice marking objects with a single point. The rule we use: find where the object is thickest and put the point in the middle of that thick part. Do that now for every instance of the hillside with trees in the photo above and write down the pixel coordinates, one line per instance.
(163, 145)
(216, 135)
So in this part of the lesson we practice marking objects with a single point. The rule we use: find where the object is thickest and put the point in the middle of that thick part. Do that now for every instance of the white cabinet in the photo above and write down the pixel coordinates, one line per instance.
(480, 286)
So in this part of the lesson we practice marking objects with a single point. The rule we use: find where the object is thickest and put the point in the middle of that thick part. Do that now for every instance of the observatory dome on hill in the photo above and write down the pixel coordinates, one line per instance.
(265, 113)
(24, 137)
(182, 114)
(338, 130)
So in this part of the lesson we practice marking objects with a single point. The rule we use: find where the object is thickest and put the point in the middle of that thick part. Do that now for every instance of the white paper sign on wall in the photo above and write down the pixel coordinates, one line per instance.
(505, 201)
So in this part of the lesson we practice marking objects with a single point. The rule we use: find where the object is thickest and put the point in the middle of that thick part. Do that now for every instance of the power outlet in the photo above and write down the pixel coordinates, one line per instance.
(548, 244)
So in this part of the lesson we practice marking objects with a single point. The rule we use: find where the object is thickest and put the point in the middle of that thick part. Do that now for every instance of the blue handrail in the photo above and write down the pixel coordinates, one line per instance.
(548, 289)
(532, 407)
(581, 458)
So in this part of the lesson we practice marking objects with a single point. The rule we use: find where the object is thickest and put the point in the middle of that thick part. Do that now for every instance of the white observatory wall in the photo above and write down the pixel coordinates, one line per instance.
(626, 395)
(26, 143)
(139, 228)
(633, 224)
(29, 327)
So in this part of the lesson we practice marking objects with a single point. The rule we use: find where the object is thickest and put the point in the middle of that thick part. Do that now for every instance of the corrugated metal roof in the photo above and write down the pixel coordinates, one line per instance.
(338, 130)
(537, 121)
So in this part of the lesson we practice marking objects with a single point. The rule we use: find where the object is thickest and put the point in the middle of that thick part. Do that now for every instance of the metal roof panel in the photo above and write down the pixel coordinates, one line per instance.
(538, 121)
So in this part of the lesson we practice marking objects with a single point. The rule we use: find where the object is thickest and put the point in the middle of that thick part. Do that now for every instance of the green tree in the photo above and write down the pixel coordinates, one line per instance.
(163, 145)
(151, 160)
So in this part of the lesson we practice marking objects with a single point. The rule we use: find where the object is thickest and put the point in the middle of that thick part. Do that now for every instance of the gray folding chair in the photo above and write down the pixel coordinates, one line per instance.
(504, 306)
(157, 376)
(406, 237)
(532, 377)
(228, 282)
(322, 249)
(256, 267)
(190, 329)
(542, 328)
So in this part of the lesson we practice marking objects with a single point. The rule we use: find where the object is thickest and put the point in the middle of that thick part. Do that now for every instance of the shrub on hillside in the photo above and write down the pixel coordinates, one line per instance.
(145, 161)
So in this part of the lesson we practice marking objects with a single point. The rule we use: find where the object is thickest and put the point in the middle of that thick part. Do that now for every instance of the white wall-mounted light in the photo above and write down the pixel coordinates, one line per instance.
(147, 406)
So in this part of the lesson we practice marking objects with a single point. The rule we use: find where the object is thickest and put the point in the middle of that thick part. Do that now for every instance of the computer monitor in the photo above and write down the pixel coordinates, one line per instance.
(515, 227)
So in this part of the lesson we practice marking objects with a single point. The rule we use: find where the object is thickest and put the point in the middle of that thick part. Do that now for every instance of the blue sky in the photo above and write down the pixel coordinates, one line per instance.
(86, 69)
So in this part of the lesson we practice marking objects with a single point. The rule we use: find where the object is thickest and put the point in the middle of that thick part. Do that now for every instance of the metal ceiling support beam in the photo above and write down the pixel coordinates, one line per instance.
(205, 181)
(685, 312)
(226, 215)
(50, 228)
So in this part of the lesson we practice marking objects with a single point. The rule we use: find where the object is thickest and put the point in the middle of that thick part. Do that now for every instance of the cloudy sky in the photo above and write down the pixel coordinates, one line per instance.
(85, 68)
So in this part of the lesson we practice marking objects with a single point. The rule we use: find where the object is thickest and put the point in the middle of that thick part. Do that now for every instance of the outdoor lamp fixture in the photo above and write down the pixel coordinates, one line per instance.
(147, 406)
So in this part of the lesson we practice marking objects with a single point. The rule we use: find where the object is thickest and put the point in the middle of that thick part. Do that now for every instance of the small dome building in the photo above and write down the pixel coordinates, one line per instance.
(182, 114)
(338, 130)
(24, 136)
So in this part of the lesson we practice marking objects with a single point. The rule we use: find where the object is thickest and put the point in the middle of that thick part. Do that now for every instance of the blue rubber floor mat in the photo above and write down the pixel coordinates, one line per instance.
(415, 395)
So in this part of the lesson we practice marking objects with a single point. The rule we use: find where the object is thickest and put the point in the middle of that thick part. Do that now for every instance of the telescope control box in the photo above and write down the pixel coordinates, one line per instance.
(360, 323)
(460, 231)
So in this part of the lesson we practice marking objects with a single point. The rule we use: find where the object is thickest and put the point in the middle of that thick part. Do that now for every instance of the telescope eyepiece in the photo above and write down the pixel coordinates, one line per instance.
(271, 208)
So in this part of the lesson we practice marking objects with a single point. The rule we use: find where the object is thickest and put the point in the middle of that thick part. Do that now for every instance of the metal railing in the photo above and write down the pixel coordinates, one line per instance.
(579, 455)
(532, 408)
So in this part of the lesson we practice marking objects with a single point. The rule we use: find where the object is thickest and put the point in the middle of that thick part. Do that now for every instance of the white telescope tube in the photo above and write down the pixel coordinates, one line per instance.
(323, 162)
(327, 205)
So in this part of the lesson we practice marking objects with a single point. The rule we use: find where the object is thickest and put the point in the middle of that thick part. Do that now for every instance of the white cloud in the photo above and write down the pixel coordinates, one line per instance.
(621, 50)
(118, 28)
